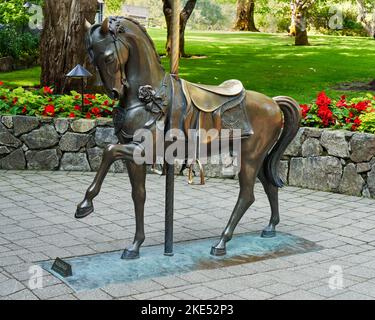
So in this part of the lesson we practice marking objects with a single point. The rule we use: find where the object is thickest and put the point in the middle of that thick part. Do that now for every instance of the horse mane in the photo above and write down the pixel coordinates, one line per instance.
(116, 27)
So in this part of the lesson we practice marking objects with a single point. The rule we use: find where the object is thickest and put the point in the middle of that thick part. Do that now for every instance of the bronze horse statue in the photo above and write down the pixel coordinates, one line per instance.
(131, 72)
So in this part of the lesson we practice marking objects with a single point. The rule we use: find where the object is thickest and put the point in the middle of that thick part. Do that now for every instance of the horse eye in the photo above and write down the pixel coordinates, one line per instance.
(110, 58)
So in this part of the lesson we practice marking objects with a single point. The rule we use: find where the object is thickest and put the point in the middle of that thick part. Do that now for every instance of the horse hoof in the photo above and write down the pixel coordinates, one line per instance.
(129, 255)
(268, 234)
(218, 251)
(83, 212)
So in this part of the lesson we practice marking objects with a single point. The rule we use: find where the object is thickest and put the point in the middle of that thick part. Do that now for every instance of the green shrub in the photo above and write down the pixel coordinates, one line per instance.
(23, 47)
(367, 122)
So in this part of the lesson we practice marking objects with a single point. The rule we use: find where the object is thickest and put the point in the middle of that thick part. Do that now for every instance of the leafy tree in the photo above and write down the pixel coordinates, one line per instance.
(12, 12)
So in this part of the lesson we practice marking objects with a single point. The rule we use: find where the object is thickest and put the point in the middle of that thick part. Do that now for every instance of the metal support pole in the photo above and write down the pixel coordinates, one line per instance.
(169, 188)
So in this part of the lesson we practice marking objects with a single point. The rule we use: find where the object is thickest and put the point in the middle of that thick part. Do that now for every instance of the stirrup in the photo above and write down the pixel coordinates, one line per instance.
(154, 170)
(201, 173)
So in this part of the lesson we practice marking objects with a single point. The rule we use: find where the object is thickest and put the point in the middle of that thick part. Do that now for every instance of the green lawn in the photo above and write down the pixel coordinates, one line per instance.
(267, 63)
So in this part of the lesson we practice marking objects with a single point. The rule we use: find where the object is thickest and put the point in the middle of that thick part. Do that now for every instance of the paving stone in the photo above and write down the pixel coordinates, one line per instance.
(299, 295)
(254, 294)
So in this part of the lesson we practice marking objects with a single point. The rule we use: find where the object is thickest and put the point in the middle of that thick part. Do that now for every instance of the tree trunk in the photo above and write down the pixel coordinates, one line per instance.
(368, 23)
(62, 44)
(245, 16)
(184, 17)
(298, 26)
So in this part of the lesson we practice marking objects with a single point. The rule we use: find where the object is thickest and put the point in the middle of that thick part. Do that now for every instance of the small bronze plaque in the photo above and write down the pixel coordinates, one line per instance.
(62, 268)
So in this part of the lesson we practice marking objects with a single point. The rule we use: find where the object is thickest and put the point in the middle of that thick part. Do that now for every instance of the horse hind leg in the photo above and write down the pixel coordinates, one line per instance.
(246, 198)
(273, 198)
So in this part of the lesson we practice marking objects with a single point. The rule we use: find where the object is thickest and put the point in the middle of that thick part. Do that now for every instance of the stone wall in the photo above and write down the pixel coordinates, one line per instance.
(331, 160)
(54, 144)
(327, 160)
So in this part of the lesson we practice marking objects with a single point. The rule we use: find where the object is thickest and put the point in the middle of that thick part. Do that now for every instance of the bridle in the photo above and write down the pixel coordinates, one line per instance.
(124, 80)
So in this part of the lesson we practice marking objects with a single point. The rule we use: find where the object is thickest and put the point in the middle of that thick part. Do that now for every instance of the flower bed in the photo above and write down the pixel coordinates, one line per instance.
(354, 115)
(43, 102)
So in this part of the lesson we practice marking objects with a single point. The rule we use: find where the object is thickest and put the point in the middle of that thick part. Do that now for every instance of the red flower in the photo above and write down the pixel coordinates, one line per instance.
(88, 115)
(1, 83)
(361, 106)
(77, 97)
(77, 107)
(357, 123)
(95, 111)
(87, 101)
(305, 109)
(47, 90)
(15, 100)
(323, 99)
(49, 110)
(90, 96)
(72, 115)
(342, 102)
(24, 110)
(106, 103)
(326, 115)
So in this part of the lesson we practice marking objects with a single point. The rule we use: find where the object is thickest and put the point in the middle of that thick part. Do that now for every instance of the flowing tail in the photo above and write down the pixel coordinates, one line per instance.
(292, 118)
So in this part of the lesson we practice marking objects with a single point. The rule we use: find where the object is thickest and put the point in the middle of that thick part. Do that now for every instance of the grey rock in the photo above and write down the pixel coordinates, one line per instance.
(366, 192)
(8, 140)
(24, 124)
(24, 147)
(14, 161)
(335, 143)
(351, 183)
(42, 138)
(283, 171)
(73, 141)
(4, 150)
(95, 156)
(312, 132)
(311, 148)
(7, 121)
(105, 136)
(74, 162)
(61, 125)
(362, 146)
(371, 181)
(3, 128)
(104, 122)
(42, 160)
(83, 125)
(91, 143)
(319, 173)
(295, 147)
(363, 167)
(118, 167)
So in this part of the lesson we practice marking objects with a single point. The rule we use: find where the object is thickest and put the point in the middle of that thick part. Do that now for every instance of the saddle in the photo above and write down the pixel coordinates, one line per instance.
(216, 107)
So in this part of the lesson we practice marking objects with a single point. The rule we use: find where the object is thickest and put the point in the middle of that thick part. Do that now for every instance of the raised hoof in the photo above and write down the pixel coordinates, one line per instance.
(129, 255)
(83, 212)
(268, 234)
(218, 251)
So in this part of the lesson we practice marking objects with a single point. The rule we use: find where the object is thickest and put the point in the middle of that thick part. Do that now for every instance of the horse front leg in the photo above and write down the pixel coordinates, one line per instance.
(111, 153)
(137, 176)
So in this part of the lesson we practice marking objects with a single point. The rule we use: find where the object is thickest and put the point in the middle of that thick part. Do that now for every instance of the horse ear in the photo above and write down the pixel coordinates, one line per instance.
(87, 25)
(105, 26)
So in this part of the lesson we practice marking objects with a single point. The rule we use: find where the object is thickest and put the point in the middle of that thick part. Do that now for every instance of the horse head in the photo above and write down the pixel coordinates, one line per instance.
(109, 53)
